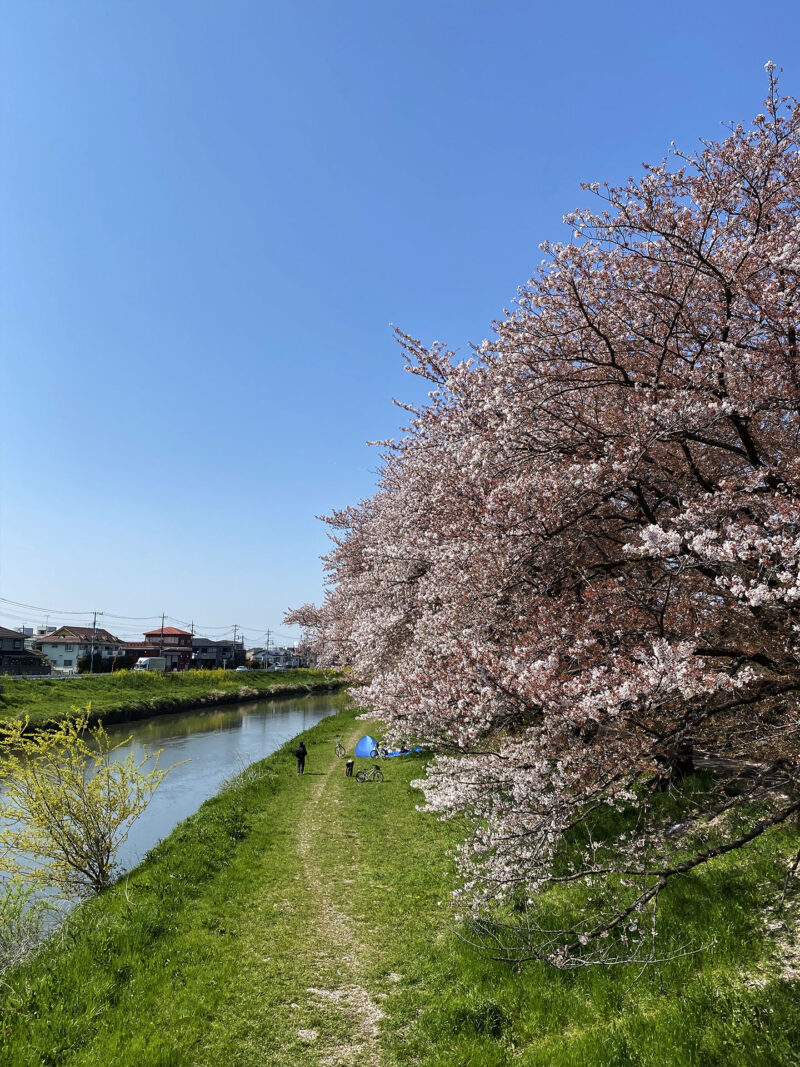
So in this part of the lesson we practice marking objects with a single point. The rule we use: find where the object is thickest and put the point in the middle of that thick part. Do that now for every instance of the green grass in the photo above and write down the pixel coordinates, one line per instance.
(129, 695)
(258, 930)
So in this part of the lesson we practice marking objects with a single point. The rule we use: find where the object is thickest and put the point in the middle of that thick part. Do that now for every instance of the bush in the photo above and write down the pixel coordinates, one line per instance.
(104, 664)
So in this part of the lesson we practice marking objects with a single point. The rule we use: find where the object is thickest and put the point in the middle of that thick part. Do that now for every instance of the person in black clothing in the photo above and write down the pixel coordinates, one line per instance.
(301, 752)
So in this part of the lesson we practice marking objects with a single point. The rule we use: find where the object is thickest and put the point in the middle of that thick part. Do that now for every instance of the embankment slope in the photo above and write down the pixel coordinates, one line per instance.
(300, 920)
(127, 696)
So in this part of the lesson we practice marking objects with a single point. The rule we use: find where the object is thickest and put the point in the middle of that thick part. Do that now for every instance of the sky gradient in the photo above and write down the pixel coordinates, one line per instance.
(212, 215)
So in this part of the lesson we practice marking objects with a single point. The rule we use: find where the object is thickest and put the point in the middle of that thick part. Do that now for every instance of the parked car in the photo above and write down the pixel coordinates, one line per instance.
(242, 668)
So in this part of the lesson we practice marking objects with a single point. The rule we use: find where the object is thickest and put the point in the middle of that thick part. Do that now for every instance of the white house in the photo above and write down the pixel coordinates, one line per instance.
(64, 646)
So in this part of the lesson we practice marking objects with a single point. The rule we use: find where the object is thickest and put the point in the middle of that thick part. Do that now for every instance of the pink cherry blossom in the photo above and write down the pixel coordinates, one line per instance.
(581, 566)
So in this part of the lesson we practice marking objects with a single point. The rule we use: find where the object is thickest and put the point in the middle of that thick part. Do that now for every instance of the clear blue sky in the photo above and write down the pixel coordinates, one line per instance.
(212, 213)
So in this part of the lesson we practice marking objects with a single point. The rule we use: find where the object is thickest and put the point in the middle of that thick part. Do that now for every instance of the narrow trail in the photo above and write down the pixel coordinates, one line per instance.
(343, 946)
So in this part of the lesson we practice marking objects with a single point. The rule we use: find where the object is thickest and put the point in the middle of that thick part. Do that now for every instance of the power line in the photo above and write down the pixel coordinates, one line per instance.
(47, 611)
(29, 613)
(219, 628)
(57, 611)
(131, 618)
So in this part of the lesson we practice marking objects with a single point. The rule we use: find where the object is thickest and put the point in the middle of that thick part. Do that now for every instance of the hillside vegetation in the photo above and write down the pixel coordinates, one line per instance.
(305, 920)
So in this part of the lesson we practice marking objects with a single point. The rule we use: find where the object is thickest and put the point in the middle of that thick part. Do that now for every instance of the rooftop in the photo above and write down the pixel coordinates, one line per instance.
(78, 633)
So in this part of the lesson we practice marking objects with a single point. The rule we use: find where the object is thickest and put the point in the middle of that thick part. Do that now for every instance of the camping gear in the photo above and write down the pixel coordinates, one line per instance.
(368, 746)
(365, 746)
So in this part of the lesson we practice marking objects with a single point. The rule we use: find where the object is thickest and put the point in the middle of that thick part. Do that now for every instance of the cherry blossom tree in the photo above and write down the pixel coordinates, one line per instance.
(579, 577)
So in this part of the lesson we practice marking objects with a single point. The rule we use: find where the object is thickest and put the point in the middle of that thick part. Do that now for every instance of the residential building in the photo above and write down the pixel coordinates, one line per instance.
(173, 644)
(139, 649)
(31, 634)
(277, 657)
(210, 655)
(15, 658)
(66, 645)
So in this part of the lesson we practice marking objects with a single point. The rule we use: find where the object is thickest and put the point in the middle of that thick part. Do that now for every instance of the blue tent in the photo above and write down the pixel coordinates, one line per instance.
(366, 745)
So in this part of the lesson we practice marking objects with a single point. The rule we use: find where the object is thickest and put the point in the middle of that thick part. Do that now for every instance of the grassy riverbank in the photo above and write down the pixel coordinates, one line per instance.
(129, 695)
(298, 920)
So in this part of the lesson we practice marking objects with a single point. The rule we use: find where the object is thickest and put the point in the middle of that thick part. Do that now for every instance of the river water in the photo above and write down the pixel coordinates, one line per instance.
(216, 743)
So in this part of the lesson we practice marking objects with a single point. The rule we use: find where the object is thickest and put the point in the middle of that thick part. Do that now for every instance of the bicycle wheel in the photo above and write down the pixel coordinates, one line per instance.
(361, 776)
(373, 753)
(341, 751)
(377, 775)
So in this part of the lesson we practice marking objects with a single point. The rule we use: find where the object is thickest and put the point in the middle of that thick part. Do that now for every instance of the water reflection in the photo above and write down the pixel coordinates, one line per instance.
(216, 744)
(211, 746)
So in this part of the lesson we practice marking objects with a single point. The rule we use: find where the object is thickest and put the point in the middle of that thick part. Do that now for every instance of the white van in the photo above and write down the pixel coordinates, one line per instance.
(151, 663)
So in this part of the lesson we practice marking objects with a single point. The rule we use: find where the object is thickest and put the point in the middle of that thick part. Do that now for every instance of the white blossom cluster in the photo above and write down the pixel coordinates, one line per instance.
(582, 564)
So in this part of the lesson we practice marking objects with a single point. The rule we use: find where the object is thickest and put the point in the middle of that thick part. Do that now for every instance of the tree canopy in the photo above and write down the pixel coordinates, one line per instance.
(580, 572)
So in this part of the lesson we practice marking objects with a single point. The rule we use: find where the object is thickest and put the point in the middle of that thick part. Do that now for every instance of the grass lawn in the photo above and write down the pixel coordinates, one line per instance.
(298, 920)
(127, 695)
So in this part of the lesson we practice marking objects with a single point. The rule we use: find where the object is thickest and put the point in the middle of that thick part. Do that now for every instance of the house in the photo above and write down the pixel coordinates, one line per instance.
(66, 645)
(138, 649)
(277, 657)
(15, 658)
(209, 655)
(40, 631)
(173, 644)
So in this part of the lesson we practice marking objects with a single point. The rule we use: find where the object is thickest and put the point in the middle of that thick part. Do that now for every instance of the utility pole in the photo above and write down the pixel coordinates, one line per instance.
(94, 633)
(235, 628)
(161, 643)
(266, 649)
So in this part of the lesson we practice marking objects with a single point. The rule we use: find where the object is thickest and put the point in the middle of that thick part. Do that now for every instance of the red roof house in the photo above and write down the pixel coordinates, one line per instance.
(173, 644)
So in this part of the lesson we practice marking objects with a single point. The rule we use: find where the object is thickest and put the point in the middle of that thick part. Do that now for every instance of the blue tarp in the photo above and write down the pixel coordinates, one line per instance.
(367, 745)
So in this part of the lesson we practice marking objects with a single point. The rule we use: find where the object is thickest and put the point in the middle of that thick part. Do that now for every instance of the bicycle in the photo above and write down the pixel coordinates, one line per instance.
(375, 775)
(379, 750)
(341, 751)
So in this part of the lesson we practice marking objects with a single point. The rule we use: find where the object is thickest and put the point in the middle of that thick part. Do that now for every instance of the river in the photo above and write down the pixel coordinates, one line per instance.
(216, 744)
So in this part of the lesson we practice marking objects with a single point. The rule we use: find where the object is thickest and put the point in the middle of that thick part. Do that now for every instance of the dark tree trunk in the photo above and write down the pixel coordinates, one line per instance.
(675, 764)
